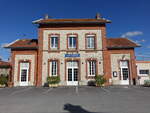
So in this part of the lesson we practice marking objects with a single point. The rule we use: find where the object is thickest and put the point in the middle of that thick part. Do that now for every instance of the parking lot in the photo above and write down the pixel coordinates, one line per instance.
(75, 100)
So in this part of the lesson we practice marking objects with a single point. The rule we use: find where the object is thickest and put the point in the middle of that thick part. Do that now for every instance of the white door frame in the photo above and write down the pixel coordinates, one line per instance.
(72, 67)
(24, 66)
(124, 82)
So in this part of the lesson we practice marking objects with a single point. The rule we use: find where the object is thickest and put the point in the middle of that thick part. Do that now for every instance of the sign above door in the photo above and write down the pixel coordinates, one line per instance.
(72, 55)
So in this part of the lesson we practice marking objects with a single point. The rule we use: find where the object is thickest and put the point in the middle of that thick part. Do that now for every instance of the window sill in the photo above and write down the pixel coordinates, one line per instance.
(72, 50)
(90, 50)
(90, 77)
(143, 75)
(54, 50)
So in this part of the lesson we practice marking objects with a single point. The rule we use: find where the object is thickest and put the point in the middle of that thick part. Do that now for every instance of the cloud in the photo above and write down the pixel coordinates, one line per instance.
(132, 34)
(3, 44)
(140, 41)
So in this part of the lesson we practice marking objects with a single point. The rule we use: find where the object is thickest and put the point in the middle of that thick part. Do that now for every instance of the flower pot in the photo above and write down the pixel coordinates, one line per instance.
(53, 85)
(2, 85)
(97, 85)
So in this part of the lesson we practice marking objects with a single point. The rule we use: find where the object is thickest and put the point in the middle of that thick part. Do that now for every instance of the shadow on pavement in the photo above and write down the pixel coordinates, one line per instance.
(76, 109)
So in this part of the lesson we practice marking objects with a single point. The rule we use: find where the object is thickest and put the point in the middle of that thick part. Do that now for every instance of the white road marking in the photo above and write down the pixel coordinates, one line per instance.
(45, 92)
(77, 90)
(106, 90)
(20, 91)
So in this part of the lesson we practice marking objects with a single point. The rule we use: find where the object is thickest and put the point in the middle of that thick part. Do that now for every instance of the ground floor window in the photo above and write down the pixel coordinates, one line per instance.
(53, 68)
(91, 67)
(72, 72)
(124, 70)
(144, 71)
(125, 73)
(24, 73)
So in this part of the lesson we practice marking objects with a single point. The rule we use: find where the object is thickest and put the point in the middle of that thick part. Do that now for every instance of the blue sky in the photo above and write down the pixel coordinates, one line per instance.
(130, 18)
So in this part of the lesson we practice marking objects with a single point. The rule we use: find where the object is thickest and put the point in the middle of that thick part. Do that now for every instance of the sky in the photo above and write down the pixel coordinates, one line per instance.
(130, 18)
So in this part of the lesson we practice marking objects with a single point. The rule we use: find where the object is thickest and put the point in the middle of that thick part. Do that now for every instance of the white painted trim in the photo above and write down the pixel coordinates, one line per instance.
(71, 35)
(134, 42)
(24, 83)
(11, 43)
(37, 20)
(54, 35)
(72, 67)
(90, 35)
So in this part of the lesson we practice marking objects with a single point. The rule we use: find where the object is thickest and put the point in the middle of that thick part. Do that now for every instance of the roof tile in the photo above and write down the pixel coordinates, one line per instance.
(44, 21)
(121, 43)
(24, 43)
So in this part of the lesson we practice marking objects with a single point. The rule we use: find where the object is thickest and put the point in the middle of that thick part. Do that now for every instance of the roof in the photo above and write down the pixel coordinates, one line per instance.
(118, 43)
(4, 64)
(60, 21)
(23, 44)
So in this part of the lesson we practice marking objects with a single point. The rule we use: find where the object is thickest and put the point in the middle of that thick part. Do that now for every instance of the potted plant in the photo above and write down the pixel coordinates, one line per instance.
(3, 81)
(100, 80)
(146, 83)
(53, 81)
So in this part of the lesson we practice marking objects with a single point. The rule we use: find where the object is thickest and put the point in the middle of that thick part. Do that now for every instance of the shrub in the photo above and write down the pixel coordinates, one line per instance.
(53, 79)
(3, 80)
(99, 80)
(147, 83)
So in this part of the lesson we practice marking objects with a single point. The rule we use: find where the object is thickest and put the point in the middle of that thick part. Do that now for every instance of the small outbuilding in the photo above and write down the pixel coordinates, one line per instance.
(143, 71)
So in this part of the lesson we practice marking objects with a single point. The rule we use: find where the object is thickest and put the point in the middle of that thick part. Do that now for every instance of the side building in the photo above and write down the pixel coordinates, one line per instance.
(143, 71)
(76, 50)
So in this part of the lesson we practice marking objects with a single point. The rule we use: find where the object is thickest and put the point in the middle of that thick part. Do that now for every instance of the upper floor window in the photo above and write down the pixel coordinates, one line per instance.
(72, 42)
(54, 41)
(90, 41)
(144, 71)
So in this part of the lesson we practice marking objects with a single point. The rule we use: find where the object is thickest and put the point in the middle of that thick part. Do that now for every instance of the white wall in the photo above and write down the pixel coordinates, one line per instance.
(142, 66)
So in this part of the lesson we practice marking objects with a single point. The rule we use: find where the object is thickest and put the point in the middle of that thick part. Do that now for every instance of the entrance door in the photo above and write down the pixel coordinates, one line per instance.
(24, 71)
(124, 73)
(72, 72)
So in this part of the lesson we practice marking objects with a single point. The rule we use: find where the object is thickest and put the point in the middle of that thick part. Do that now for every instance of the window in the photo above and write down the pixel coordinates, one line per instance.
(72, 42)
(90, 42)
(53, 68)
(23, 75)
(125, 73)
(124, 64)
(54, 42)
(146, 71)
(91, 68)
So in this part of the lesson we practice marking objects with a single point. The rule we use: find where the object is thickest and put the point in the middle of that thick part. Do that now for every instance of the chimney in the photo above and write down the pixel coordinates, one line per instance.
(46, 16)
(98, 16)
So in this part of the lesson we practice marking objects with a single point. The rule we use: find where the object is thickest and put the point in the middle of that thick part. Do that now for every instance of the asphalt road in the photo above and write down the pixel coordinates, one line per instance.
(75, 100)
